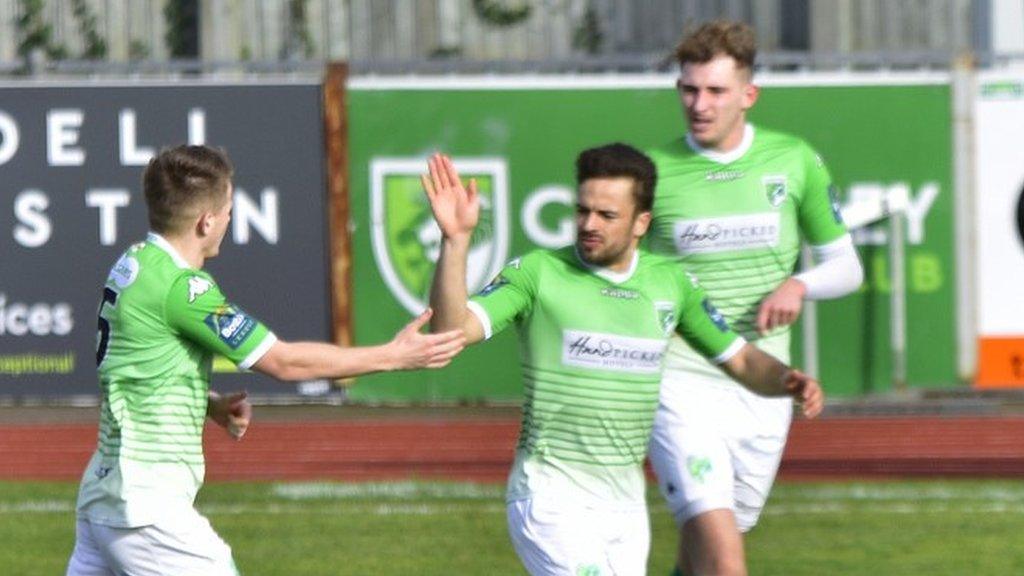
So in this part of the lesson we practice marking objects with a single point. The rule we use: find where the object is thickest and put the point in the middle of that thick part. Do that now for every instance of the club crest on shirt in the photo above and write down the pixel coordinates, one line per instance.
(699, 467)
(775, 189)
(588, 570)
(666, 312)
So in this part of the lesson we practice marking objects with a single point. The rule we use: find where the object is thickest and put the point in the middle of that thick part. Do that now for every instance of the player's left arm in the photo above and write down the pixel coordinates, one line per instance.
(704, 328)
(837, 270)
(766, 375)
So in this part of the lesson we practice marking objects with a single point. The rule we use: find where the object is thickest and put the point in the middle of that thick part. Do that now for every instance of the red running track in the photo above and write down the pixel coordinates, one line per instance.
(481, 450)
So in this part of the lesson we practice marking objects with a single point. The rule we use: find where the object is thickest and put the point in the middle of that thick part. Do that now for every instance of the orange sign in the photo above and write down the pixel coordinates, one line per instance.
(1000, 363)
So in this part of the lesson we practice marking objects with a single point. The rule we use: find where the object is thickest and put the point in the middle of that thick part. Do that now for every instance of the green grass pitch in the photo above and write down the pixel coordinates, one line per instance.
(425, 528)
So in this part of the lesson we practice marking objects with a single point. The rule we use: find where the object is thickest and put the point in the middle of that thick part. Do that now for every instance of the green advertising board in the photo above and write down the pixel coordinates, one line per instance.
(520, 138)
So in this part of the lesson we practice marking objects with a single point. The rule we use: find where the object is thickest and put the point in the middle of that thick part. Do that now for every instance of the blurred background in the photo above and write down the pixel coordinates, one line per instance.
(495, 35)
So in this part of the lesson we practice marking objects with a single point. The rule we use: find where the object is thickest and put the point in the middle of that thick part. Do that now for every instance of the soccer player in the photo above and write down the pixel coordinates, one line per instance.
(161, 320)
(593, 322)
(733, 203)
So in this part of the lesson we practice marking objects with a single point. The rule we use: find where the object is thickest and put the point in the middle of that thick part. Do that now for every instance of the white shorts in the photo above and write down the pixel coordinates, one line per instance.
(716, 445)
(185, 545)
(556, 538)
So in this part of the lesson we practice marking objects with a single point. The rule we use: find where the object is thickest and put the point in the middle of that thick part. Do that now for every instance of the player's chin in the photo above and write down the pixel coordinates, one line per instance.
(592, 256)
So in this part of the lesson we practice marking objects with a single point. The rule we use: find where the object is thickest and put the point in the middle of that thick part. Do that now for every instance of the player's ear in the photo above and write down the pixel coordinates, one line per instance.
(750, 94)
(641, 224)
(204, 225)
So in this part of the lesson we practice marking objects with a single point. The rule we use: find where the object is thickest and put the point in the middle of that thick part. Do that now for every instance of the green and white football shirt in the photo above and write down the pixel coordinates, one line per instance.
(736, 220)
(160, 323)
(592, 345)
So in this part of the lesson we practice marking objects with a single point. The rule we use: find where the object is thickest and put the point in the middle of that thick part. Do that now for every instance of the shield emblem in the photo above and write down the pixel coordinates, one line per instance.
(775, 189)
(666, 316)
(406, 240)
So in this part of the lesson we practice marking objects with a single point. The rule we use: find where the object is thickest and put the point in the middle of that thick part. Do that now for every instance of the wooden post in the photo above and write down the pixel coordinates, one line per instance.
(336, 147)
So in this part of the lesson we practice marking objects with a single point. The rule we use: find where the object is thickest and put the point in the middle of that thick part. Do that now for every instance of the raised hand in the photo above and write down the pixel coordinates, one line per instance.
(806, 391)
(413, 349)
(456, 208)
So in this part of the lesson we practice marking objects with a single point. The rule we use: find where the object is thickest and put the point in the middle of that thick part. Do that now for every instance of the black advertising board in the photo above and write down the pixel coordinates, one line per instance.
(71, 160)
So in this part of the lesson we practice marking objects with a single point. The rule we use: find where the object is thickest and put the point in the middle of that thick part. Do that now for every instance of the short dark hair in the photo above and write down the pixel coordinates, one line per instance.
(620, 160)
(183, 181)
(717, 38)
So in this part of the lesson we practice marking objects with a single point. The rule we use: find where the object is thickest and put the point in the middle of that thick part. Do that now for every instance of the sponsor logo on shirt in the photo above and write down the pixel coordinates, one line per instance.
(231, 325)
(620, 293)
(612, 352)
(197, 286)
(715, 315)
(707, 235)
(775, 189)
(124, 272)
(833, 198)
(498, 282)
(724, 175)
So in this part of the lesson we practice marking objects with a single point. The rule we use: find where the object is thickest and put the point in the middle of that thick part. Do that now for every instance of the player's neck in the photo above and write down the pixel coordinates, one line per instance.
(625, 263)
(724, 152)
(189, 249)
(732, 142)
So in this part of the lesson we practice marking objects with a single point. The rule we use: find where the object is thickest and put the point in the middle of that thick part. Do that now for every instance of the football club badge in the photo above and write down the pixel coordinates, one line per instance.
(406, 240)
(775, 189)
(666, 316)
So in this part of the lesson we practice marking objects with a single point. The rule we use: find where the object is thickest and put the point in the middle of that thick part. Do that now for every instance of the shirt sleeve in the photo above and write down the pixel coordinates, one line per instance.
(198, 310)
(819, 213)
(703, 326)
(508, 298)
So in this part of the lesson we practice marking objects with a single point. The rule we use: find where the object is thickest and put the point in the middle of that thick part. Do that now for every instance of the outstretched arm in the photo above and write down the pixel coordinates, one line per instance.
(766, 375)
(456, 210)
(408, 350)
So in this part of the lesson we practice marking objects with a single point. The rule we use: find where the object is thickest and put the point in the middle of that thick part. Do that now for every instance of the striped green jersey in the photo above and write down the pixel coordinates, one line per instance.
(736, 220)
(592, 344)
(160, 323)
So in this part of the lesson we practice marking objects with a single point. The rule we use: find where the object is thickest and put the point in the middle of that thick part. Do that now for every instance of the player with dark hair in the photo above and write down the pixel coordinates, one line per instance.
(593, 321)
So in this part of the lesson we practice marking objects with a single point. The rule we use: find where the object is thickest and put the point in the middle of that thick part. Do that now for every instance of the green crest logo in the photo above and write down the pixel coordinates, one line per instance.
(588, 570)
(406, 240)
(775, 189)
(666, 316)
(698, 468)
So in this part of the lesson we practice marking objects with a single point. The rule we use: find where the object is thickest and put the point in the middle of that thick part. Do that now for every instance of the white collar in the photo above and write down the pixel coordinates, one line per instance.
(608, 274)
(162, 243)
(724, 157)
